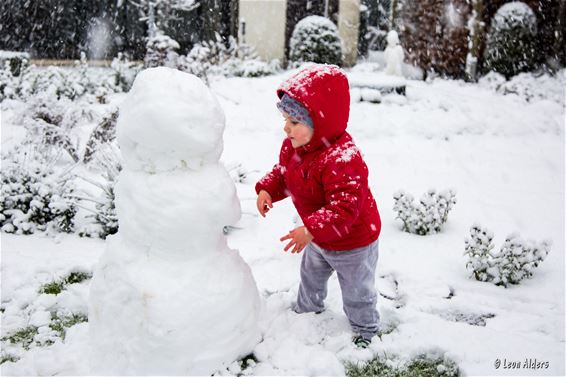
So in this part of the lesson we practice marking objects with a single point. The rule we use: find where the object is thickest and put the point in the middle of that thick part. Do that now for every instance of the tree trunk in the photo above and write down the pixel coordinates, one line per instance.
(560, 43)
(475, 39)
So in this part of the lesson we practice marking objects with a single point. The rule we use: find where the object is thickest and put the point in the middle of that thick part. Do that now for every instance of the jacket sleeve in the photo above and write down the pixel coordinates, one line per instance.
(345, 188)
(274, 181)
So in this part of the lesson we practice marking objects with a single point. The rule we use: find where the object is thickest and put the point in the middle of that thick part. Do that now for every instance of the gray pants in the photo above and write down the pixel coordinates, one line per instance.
(356, 275)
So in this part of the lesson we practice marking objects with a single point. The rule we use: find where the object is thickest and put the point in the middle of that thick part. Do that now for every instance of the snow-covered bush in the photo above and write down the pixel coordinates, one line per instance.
(125, 72)
(59, 82)
(104, 132)
(104, 216)
(377, 39)
(160, 51)
(15, 60)
(479, 249)
(48, 122)
(511, 41)
(428, 215)
(32, 81)
(256, 68)
(529, 86)
(218, 58)
(34, 198)
(315, 39)
(74, 83)
(514, 262)
(10, 81)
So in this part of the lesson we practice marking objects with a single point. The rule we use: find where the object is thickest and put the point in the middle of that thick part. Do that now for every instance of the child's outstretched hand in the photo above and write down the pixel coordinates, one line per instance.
(264, 202)
(300, 237)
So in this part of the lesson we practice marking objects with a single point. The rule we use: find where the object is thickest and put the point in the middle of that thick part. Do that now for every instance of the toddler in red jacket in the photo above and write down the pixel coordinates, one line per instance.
(323, 172)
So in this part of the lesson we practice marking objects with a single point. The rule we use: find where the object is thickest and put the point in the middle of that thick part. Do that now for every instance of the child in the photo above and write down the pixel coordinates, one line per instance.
(323, 172)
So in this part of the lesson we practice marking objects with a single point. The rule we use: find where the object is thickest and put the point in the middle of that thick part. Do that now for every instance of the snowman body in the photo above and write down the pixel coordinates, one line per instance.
(394, 55)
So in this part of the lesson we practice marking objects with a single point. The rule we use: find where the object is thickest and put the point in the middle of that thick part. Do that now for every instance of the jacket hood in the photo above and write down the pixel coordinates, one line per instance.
(323, 89)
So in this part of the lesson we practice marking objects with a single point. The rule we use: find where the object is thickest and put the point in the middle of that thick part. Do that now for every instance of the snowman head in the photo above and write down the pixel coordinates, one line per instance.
(169, 119)
(392, 38)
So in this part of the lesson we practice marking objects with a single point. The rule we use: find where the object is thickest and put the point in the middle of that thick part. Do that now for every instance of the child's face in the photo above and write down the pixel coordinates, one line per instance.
(299, 133)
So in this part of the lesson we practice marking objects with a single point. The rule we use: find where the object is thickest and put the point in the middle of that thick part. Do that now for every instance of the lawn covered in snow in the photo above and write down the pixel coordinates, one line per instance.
(503, 155)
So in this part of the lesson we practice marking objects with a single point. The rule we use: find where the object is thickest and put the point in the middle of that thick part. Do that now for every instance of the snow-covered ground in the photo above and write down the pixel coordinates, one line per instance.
(504, 157)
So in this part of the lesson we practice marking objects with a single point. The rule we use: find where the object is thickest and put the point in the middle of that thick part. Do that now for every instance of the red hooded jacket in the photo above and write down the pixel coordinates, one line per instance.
(327, 178)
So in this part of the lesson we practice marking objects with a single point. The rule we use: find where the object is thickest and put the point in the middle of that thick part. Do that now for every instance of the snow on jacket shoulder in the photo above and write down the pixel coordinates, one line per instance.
(327, 179)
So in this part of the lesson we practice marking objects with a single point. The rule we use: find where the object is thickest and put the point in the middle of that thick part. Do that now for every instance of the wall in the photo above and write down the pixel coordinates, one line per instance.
(348, 27)
(265, 27)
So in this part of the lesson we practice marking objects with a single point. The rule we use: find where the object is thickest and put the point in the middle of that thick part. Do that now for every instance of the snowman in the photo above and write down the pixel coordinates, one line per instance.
(168, 297)
(393, 54)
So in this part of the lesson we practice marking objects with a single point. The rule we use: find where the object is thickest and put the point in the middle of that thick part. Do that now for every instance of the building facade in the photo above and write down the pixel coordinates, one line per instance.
(267, 25)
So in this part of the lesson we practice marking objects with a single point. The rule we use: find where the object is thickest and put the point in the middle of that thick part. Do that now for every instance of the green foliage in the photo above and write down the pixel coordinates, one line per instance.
(420, 366)
(77, 277)
(55, 287)
(52, 288)
(24, 336)
(315, 39)
(248, 361)
(511, 41)
(7, 357)
(61, 324)
(375, 367)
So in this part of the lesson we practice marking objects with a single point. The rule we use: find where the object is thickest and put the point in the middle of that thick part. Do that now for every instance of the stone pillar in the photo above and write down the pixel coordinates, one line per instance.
(348, 27)
(264, 27)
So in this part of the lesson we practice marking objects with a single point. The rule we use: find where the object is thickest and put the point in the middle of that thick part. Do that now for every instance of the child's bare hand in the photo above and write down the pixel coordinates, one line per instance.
(300, 237)
(264, 202)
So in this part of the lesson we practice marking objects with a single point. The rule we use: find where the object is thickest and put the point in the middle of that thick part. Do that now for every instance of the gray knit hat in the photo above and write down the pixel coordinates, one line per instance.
(295, 109)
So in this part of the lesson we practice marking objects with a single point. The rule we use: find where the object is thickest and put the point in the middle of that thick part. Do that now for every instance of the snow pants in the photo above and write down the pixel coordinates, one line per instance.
(356, 275)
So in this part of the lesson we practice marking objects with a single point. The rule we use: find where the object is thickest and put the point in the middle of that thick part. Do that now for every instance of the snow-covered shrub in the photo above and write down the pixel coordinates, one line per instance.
(428, 215)
(160, 51)
(104, 132)
(48, 122)
(14, 60)
(50, 81)
(34, 198)
(125, 72)
(104, 216)
(11, 78)
(377, 39)
(479, 251)
(514, 262)
(315, 39)
(74, 83)
(492, 81)
(5, 83)
(529, 86)
(511, 41)
(225, 59)
(255, 68)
